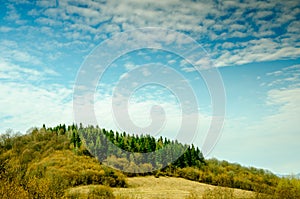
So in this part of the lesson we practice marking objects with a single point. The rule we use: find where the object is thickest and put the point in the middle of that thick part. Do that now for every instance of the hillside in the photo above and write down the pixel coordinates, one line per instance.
(175, 188)
(42, 164)
(49, 162)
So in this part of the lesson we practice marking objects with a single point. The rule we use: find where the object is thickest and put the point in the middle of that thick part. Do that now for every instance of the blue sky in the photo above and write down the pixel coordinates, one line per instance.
(254, 45)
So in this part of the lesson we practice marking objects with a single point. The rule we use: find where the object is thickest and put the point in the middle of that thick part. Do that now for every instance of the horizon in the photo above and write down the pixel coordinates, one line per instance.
(252, 47)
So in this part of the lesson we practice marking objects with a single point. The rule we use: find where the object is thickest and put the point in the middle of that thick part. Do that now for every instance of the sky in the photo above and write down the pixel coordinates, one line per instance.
(251, 48)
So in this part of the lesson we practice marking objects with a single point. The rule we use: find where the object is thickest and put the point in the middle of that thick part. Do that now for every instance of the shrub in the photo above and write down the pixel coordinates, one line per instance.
(12, 189)
(288, 188)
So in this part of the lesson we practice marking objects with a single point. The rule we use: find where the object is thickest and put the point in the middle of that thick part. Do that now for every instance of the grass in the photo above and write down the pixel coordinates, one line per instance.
(90, 192)
(170, 187)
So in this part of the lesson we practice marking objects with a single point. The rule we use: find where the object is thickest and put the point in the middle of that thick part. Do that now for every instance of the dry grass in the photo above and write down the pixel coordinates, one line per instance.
(89, 192)
(170, 187)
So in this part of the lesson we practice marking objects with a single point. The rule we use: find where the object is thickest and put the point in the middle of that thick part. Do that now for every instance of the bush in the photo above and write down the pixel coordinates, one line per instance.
(75, 170)
(12, 189)
(288, 188)
(190, 173)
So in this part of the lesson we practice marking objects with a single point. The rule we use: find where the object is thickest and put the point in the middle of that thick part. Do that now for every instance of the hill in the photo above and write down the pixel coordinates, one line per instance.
(49, 162)
(42, 164)
(113, 147)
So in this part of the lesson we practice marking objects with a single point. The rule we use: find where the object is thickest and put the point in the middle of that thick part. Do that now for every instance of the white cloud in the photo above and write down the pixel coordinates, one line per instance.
(262, 14)
(25, 105)
(275, 73)
(12, 14)
(45, 3)
(228, 45)
(130, 66)
(5, 29)
(294, 27)
(257, 51)
(287, 77)
(146, 72)
(48, 21)
(9, 50)
(12, 72)
(172, 61)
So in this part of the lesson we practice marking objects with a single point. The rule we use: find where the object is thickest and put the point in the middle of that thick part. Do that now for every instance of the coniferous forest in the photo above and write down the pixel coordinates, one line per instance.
(47, 161)
(135, 153)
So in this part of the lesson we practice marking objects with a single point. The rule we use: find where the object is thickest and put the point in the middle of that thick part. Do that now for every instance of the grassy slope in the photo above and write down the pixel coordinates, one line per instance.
(169, 187)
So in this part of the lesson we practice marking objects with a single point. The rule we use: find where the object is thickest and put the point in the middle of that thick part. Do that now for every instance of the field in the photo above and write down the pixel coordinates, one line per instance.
(171, 187)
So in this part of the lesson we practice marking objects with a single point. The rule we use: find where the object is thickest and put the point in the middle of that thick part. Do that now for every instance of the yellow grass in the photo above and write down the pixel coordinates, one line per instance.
(89, 192)
(170, 187)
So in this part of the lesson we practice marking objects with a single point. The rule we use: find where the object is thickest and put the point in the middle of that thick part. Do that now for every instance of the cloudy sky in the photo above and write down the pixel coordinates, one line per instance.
(253, 45)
